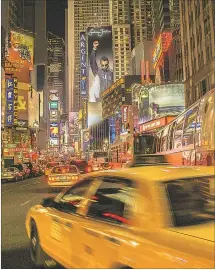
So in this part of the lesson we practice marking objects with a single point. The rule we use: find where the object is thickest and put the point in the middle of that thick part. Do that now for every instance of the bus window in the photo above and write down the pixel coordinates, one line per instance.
(158, 143)
(170, 136)
(189, 126)
(164, 139)
(178, 133)
(144, 144)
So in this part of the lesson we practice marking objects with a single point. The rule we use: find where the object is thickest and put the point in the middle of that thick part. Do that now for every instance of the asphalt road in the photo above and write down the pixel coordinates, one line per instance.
(16, 199)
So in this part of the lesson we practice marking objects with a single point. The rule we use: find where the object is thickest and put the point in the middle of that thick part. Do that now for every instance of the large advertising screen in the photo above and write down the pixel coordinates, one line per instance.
(100, 61)
(20, 54)
(159, 101)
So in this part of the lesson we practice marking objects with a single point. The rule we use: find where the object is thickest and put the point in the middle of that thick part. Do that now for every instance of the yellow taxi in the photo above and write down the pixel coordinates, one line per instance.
(63, 176)
(145, 217)
(49, 167)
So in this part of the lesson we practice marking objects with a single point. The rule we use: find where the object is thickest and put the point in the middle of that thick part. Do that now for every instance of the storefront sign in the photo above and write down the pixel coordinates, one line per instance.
(153, 124)
(125, 113)
(83, 83)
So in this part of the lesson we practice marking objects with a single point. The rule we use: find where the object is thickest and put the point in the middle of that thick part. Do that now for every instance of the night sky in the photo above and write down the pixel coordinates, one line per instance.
(55, 16)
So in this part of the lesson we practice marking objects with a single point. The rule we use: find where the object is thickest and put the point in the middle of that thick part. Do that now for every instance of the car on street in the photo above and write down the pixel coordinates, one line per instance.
(82, 166)
(11, 174)
(23, 168)
(63, 176)
(31, 168)
(49, 167)
(138, 217)
(106, 166)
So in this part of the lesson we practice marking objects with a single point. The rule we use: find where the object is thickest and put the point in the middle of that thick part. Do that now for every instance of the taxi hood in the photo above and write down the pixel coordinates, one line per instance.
(203, 231)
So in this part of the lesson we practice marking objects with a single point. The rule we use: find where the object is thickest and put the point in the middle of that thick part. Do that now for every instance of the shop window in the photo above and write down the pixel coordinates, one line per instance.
(190, 126)
(178, 132)
(171, 136)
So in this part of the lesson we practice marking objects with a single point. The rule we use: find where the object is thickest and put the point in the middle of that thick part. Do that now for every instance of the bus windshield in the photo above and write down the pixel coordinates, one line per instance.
(144, 144)
(100, 154)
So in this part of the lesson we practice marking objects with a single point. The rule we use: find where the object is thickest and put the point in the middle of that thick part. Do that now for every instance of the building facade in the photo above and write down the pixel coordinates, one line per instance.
(81, 14)
(198, 47)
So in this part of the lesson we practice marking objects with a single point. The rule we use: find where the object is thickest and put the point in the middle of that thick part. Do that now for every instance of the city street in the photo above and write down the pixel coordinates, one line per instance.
(17, 198)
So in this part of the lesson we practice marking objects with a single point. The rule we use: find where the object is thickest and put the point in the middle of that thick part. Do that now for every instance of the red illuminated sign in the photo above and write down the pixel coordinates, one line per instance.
(162, 46)
(125, 113)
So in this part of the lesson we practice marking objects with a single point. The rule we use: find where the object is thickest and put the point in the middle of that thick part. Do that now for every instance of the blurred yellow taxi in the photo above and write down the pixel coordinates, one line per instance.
(50, 166)
(63, 176)
(145, 217)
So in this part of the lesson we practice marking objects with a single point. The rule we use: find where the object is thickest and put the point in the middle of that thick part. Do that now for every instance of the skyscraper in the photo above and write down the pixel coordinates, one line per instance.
(175, 50)
(198, 47)
(81, 14)
(120, 21)
(141, 21)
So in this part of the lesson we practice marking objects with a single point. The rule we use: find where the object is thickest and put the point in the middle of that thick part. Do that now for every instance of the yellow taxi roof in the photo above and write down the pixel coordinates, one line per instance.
(158, 173)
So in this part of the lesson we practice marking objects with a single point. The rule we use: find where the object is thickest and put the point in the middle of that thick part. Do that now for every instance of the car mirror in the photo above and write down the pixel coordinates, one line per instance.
(48, 202)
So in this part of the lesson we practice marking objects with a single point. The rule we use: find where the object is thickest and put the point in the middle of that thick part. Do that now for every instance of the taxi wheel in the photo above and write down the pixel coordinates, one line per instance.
(36, 252)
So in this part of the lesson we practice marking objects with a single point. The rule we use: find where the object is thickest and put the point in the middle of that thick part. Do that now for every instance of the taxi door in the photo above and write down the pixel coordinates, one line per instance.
(104, 229)
(64, 237)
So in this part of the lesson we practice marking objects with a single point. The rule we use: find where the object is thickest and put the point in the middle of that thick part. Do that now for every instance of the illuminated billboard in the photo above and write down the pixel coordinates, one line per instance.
(162, 46)
(94, 113)
(83, 53)
(53, 115)
(33, 107)
(54, 95)
(20, 54)
(161, 100)
(100, 61)
(53, 105)
(73, 123)
(9, 102)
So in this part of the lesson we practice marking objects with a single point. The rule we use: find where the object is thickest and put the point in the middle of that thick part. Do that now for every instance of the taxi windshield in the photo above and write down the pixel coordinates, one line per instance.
(9, 170)
(51, 165)
(192, 201)
(64, 169)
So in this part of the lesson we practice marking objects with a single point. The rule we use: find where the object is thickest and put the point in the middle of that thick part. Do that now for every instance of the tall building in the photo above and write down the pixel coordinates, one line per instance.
(120, 21)
(175, 50)
(81, 14)
(198, 47)
(141, 21)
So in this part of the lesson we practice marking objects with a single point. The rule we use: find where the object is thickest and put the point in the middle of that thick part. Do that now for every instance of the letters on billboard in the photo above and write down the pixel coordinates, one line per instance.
(83, 52)
(100, 61)
(22, 104)
(10, 102)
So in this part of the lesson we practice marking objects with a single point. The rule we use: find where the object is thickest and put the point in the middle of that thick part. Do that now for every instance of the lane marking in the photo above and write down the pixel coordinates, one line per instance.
(27, 201)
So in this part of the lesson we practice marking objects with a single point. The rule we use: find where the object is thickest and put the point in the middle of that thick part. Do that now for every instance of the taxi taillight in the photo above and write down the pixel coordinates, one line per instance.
(52, 179)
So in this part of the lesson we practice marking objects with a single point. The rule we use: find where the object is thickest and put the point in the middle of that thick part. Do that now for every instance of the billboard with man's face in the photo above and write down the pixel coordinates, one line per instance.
(100, 61)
